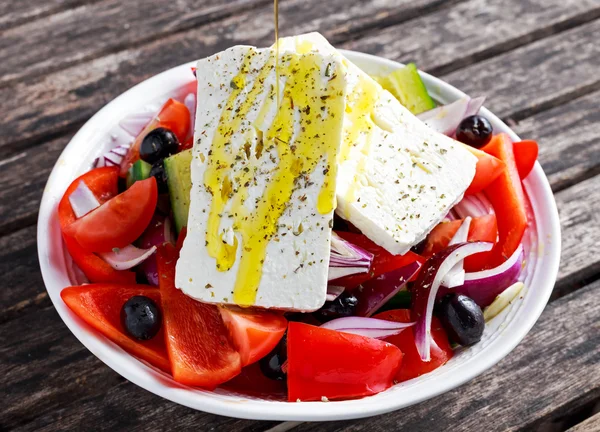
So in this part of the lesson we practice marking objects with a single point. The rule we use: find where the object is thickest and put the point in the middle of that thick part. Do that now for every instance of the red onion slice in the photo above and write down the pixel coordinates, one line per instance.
(135, 123)
(446, 118)
(347, 259)
(484, 286)
(83, 200)
(474, 205)
(190, 103)
(475, 105)
(456, 275)
(373, 294)
(427, 285)
(113, 157)
(370, 327)
(127, 257)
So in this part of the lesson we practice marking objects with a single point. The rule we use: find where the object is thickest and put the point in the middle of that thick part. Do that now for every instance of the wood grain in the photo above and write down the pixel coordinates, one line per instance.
(83, 89)
(538, 76)
(592, 424)
(92, 30)
(85, 32)
(14, 13)
(473, 30)
(569, 140)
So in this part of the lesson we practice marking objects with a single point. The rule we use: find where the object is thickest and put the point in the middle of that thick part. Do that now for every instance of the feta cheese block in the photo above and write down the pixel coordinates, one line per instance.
(397, 178)
(263, 178)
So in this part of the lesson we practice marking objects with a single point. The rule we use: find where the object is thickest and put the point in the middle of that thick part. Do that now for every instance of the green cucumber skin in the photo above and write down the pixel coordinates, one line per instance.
(179, 181)
(140, 170)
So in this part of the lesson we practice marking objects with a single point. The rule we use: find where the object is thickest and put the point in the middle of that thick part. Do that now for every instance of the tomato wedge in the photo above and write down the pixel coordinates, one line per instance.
(383, 261)
(198, 343)
(119, 221)
(100, 305)
(254, 333)
(412, 366)
(336, 365)
(526, 153)
(439, 237)
(103, 183)
(508, 199)
(174, 116)
(483, 228)
(488, 168)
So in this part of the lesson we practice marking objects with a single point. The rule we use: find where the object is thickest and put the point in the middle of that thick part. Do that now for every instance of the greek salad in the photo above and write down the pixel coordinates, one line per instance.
(297, 227)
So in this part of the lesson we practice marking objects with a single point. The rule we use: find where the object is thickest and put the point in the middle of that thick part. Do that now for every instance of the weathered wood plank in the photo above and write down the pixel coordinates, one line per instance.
(538, 76)
(14, 13)
(83, 89)
(43, 374)
(22, 282)
(569, 140)
(523, 389)
(81, 33)
(565, 338)
(111, 25)
(592, 424)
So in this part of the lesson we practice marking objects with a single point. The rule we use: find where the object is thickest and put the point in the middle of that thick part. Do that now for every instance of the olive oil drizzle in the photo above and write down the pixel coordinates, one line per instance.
(317, 103)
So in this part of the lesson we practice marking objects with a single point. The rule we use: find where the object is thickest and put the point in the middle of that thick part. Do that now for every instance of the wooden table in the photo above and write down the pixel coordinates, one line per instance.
(537, 61)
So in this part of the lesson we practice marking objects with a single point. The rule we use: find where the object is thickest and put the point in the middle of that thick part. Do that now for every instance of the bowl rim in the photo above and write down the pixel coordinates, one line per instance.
(136, 371)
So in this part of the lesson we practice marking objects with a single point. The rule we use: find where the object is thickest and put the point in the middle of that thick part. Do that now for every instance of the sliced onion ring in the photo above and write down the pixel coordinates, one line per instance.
(484, 286)
(347, 259)
(127, 257)
(456, 275)
(373, 294)
(83, 200)
(427, 285)
(370, 327)
(446, 118)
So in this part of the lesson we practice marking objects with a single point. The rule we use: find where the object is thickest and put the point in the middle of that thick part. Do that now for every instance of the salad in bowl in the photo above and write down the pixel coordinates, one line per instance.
(292, 228)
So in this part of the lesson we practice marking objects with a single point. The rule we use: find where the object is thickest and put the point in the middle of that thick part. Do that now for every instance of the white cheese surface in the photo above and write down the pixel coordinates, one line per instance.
(397, 178)
(294, 264)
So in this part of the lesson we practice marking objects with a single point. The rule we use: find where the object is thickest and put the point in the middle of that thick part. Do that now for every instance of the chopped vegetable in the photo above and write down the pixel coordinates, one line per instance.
(127, 257)
(507, 196)
(325, 363)
(406, 85)
(383, 261)
(526, 153)
(373, 294)
(412, 366)
(347, 259)
(82, 200)
(369, 327)
(119, 221)
(427, 285)
(504, 299)
(198, 343)
(488, 169)
(100, 305)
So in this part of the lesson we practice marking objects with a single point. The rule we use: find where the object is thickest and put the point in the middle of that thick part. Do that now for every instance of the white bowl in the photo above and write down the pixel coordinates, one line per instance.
(500, 337)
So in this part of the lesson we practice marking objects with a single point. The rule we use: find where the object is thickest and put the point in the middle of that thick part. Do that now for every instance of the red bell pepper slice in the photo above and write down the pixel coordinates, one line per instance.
(103, 183)
(526, 153)
(325, 363)
(488, 168)
(383, 261)
(508, 199)
(100, 306)
(198, 342)
(412, 366)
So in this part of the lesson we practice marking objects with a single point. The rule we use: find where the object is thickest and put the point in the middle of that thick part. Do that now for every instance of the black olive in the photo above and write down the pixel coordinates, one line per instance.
(343, 306)
(141, 318)
(475, 131)
(462, 319)
(158, 144)
(158, 172)
(271, 364)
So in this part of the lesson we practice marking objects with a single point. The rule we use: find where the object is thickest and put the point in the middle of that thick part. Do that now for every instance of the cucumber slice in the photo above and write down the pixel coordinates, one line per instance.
(177, 168)
(140, 170)
(406, 85)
